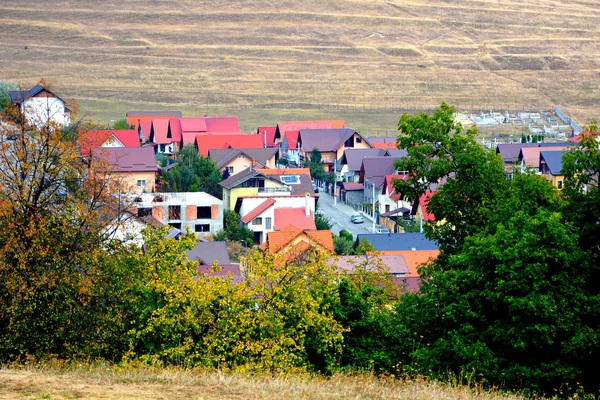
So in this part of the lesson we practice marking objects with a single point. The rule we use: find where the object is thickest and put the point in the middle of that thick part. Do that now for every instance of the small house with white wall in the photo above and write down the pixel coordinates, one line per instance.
(41, 106)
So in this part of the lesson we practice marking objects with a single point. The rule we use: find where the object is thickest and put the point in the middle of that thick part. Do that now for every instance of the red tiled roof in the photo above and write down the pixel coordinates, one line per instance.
(424, 201)
(383, 145)
(135, 118)
(257, 211)
(146, 126)
(292, 139)
(293, 216)
(349, 186)
(222, 124)
(98, 137)
(159, 131)
(279, 239)
(235, 141)
(577, 139)
(270, 130)
(283, 171)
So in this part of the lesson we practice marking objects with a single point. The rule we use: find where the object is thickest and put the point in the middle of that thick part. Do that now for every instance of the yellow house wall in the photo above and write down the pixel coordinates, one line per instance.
(237, 192)
(128, 181)
(299, 239)
(269, 183)
(556, 179)
(239, 164)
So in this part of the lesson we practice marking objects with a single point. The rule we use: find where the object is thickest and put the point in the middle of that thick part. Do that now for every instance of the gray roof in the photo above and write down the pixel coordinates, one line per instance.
(19, 96)
(324, 139)
(510, 152)
(174, 114)
(128, 159)
(553, 160)
(395, 152)
(374, 169)
(238, 178)
(398, 241)
(354, 157)
(209, 252)
(305, 185)
(383, 140)
(223, 156)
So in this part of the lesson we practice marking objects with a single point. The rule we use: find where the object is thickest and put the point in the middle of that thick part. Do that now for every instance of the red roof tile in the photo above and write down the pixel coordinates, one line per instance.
(262, 207)
(270, 131)
(146, 126)
(235, 141)
(280, 239)
(99, 137)
(292, 139)
(158, 133)
(424, 201)
(293, 216)
(134, 118)
(222, 124)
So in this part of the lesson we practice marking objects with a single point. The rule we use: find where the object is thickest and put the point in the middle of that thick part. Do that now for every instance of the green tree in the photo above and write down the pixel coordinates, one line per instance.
(347, 235)
(121, 124)
(491, 302)
(192, 173)
(5, 89)
(322, 222)
(342, 245)
(316, 165)
(233, 230)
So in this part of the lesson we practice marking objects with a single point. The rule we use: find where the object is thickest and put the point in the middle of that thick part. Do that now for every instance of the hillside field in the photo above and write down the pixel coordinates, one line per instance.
(365, 61)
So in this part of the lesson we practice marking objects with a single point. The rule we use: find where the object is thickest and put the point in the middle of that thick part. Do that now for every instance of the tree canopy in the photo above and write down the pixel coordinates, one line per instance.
(192, 173)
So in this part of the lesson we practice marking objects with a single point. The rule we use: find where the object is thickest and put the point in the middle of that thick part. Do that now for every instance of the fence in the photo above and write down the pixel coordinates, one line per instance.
(576, 127)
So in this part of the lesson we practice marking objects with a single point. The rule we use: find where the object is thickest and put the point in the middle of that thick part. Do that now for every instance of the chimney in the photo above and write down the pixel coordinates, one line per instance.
(307, 204)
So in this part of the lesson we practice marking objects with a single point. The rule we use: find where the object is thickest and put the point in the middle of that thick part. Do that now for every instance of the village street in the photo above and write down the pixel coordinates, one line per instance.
(339, 216)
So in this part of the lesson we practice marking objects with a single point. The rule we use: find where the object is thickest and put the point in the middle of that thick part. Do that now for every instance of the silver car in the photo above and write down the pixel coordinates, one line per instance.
(357, 219)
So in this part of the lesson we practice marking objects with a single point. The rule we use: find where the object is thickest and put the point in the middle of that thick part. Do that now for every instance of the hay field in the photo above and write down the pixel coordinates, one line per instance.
(266, 60)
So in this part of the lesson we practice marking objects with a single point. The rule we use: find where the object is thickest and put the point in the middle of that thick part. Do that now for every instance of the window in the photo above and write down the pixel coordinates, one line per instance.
(358, 140)
(229, 169)
(162, 148)
(141, 182)
(203, 213)
(174, 212)
(144, 212)
(268, 223)
(202, 228)
(559, 184)
(176, 225)
(257, 221)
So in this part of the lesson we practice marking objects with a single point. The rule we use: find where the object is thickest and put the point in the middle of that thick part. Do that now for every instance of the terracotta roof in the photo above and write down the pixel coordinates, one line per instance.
(270, 131)
(577, 139)
(350, 186)
(413, 258)
(229, 271)
(208, 253)
(128, 159)
(531, 155)
(223, 156)
(97, 138)
(159, 131)
(283, 127)
(293, 216)
(284, 171)
(134, 118)
(424, 201)
(265, 205)
(236, 141)
(276, 241)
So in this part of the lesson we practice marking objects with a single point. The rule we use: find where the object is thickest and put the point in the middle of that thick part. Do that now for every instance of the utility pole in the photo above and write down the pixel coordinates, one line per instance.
(373, 206)
(334, 182)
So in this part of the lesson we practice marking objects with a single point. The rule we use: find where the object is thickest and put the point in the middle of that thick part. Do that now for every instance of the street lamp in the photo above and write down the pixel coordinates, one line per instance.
(372, 202)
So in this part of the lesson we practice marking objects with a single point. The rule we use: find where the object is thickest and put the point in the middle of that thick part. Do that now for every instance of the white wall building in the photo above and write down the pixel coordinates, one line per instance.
(40, 106)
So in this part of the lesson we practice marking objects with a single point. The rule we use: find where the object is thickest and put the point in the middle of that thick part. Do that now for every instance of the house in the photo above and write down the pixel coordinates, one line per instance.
(133, 169)
(383, 142)
(373, 172)
(205, 143)
(273, 213)
(414, 259)
(197, 211)
(288, 126)
(529, 157)
(188, 128)
(143, 130)
(161, 137)
(352, 159)
(237, 160)
(551, 167)
(268, 135)
(396, 241)
(266, 182)
(41, 106)
(510, 153)
(290, 148)
(107, 138)
(331, 143)
(135, 118)
(208, 253)
(352, 193)
(293, 242)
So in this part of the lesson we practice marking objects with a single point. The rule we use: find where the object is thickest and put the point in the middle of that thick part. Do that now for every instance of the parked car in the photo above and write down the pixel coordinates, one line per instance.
(357, 219)
(315, 188)
(382, 230)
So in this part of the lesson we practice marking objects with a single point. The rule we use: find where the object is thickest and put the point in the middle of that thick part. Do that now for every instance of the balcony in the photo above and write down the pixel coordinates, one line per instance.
(274, 190)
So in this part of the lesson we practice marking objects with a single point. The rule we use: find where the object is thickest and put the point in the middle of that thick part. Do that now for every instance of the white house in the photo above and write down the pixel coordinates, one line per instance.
(264, 214)
(40, 106)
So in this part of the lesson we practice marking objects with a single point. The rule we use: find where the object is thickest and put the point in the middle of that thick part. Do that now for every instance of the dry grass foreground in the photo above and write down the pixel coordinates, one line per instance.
(139, 383)
(269, 60)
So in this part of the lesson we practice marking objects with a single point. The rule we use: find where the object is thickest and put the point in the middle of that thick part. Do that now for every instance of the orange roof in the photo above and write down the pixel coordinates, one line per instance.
(293, 216)
(97, 138)
(283, 171)
(262, 207)
(414, 258)
(383, 145)
(234, 141)
(277, 241)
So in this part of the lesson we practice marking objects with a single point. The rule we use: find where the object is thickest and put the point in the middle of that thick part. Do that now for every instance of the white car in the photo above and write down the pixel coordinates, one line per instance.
(382, 230)
(357, 219)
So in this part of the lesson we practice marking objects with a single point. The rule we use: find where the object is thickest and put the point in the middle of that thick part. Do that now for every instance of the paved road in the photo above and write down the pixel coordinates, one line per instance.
(340, 216)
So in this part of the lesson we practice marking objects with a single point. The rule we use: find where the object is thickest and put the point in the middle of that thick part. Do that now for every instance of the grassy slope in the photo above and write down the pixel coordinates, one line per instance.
(270, 60)
(104, 383)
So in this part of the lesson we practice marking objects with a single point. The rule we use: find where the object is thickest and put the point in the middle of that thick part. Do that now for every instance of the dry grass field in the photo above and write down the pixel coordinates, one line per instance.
(137, 384)
(266, 60)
